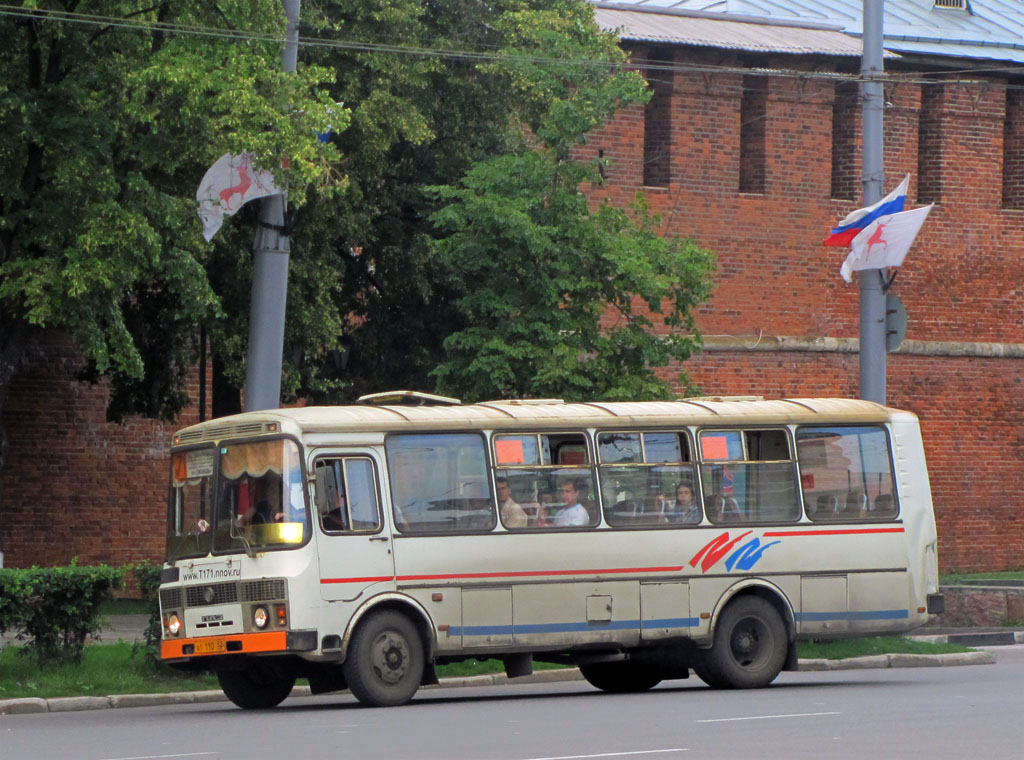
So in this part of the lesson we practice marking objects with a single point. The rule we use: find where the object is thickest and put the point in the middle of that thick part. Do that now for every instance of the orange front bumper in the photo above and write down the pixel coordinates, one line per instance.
(242, 643)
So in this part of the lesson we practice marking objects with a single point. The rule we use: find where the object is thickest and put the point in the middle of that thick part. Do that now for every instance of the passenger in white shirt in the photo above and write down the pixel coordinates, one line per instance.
(575, 513)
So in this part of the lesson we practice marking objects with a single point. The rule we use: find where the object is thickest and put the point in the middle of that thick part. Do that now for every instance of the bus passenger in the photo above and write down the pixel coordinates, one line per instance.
(545, 507)
(573, 513)
(512, 515)
(684, 510)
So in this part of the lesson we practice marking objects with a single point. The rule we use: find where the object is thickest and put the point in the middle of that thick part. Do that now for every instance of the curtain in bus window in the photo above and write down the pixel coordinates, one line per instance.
(254, 459)
(439, 482)
(260, 499)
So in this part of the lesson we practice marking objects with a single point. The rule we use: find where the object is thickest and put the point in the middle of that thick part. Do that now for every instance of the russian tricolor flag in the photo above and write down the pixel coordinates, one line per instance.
(858, 220)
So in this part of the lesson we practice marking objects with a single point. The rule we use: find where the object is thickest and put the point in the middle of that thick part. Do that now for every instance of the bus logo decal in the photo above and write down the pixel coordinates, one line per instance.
(714, 550)
(743, 558)
(747, 555)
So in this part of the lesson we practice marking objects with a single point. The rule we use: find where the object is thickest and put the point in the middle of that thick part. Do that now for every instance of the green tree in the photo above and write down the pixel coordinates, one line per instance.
(461, 186)
(110, 113)
(547, 289)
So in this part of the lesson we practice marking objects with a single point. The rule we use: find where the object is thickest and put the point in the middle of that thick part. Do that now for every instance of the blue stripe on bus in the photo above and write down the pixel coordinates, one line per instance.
(627, 625)
(614, 625)
(815, 617)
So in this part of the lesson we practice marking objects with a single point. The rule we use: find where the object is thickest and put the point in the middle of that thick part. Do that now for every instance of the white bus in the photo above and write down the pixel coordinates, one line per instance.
(361, 546)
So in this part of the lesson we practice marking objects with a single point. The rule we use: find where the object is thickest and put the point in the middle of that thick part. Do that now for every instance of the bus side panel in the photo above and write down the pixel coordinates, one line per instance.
(917, 513)
(665, 610)
(878, 602)
(561, 614)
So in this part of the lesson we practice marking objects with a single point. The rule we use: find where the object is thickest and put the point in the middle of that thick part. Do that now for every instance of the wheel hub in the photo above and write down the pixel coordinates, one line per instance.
(747, 646)
(390, 657)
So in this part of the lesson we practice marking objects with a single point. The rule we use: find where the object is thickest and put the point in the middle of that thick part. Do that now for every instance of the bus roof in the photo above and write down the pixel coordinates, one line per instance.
(548, 414)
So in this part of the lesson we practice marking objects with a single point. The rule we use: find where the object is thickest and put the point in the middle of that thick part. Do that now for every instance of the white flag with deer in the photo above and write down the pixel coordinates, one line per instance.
(227, 186)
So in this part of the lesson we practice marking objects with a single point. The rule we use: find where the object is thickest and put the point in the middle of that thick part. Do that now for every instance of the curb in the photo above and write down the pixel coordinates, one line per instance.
(29, 705)
(968, 639)
(900, 661)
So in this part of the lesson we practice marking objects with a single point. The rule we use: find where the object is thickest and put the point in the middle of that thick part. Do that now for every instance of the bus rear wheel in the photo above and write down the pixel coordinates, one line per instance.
(750, 646)
(255, 689)
(385, 661)
(620, 677)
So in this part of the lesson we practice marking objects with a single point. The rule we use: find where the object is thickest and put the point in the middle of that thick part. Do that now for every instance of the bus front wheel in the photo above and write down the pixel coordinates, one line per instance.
(253, 689)
(384, 666)
(749, 649)
(620, 677)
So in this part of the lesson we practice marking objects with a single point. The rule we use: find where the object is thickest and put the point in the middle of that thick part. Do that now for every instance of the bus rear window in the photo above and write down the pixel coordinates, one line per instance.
(846, 473)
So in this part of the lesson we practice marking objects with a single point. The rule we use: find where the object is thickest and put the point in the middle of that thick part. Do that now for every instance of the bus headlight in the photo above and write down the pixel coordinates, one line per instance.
(260, 617)
(172, 624)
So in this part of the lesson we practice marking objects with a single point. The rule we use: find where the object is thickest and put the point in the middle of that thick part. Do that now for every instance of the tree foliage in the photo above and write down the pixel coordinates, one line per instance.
(442, 237)
(108, 122)
(461, 254)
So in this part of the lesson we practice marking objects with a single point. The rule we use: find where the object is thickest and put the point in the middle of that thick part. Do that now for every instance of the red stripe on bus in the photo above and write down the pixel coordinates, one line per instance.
(358, 580)
(520, 574)
(839, 532)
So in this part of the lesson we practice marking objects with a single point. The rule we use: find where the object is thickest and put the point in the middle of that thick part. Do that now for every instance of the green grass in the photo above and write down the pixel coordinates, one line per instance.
(124, 607)
(111, 669)
(106, 669)
(843, 648)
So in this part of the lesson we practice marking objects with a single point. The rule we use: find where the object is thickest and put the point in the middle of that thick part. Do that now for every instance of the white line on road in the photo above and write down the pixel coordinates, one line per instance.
(163, 757)
(766, 717)
(611, 754)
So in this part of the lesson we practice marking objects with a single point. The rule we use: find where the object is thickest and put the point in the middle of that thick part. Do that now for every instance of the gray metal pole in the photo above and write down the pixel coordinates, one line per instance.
(872, 299)
(270, 273)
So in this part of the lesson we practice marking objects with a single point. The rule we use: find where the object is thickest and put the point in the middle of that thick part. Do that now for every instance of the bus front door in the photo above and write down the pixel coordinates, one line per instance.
(355, 548)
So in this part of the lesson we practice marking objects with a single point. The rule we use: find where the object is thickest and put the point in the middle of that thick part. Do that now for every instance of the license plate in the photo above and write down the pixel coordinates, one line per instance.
(211, 647)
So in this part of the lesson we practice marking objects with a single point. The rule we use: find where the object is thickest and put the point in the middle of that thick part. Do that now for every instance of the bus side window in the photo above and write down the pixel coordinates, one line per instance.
(346, 495)
(748, 476)
(846, 473)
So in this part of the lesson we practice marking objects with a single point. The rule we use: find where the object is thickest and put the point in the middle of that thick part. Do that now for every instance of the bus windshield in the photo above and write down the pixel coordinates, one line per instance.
(190, 505)
(259, 501)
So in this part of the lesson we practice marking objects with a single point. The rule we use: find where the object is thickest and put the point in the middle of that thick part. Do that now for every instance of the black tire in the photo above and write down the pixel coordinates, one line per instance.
(699, 665)
(620, 677)
(750, 646)
(384, 666)
(253, 689)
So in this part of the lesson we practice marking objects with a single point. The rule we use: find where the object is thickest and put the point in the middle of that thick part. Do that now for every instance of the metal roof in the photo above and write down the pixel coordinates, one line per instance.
(985, 29)
(506, 416)
(732, 34)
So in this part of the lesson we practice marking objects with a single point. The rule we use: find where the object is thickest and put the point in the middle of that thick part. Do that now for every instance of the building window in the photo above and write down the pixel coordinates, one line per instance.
(658, 120)
(929, 145)
(846, 106)
(753, 135)
(1013, 151)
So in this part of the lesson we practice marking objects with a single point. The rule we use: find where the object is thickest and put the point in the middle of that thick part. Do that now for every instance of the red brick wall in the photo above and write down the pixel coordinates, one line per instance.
(77, 485)
(960, 283)
(98, 488)
(975, 453)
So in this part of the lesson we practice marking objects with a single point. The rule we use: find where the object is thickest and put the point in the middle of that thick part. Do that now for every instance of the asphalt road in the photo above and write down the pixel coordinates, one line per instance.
(946, 712)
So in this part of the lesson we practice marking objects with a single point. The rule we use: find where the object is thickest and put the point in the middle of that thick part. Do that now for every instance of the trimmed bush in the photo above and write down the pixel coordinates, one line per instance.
(148, 576)
(55, 609)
